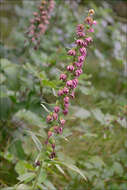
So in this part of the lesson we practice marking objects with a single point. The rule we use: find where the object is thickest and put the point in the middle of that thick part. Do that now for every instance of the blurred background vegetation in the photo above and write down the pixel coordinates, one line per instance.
(95, 135)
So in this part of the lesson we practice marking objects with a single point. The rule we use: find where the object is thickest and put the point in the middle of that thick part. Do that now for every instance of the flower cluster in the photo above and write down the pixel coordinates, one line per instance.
(70, 80)
(39, 23)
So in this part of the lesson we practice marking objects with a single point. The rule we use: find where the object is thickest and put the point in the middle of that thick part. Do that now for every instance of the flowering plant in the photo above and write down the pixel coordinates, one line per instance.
(39, 23)
(69, 80)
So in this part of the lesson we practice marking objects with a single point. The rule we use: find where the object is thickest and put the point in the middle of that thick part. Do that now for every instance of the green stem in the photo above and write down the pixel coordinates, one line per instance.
(36, 180)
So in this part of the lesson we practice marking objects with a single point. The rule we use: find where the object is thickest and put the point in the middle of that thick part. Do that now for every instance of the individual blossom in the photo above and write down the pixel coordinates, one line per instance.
(65, 90)
(56, 109)
(55, 116)
(78, 72)
(70, 68)
(83, 51)
(62, 121)
(80, 42)
(63, 77)
(49, 118)
(72, 52)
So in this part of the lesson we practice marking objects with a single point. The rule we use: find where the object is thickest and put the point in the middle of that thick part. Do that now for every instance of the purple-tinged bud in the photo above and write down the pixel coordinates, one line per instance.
(53, 146)
(60, 92)
(55, 116)
(66, 100)
(65, 111)
(80, 42)
(53, 154)
(63, 77)
(49, 118)
(62, 122)
(81, 58)
(69, 83)
(65, 90)
(60, 130)
(72, 52)
(70, 68)
(56, 109)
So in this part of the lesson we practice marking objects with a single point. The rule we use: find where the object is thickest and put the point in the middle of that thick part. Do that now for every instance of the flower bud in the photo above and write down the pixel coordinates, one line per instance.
(91, 11)
(62, 122)
(49, 118)
(72, 52)
(63, 77)
(56, 109)
(55, 116)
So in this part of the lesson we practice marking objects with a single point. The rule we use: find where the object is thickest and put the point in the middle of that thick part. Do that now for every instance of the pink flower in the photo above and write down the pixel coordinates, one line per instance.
(80, 34)
(49, 118)
(79, 64)
(95, 22)
(66, 100)
(81, 58)
(60, 92)
(60, 130)
(65, 111)
(66, 106)
(70, 68)
(62, 122)
(80, 27)
(75, 82)
(72, 52)
(83, 51)
(35, 14)
(91, 30)
(55, 116)
(89, 39)
(56, 109)
(80, 42)
(63, 77)
(65, 90)
(69, 83)
(78, 72)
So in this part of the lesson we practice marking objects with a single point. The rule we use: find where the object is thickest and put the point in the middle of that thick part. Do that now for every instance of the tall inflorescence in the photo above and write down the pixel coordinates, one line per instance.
(69, 79)
(39, 23)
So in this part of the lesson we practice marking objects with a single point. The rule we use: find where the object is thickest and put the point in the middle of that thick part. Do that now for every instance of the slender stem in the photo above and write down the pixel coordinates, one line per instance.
(36, 180)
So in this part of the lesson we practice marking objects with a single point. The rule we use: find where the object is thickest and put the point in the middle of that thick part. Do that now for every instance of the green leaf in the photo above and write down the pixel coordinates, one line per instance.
(118, 169)
(30, 117)
(99, 116)
(27, 177)
(22, 167)
(73, 168)
(36, 140)
(97, 161)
